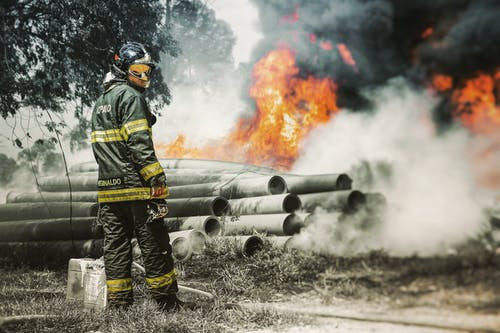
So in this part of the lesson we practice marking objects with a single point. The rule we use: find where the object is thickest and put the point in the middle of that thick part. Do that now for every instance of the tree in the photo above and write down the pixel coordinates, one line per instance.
(56, 51)
(205, 44)
(7, 168)
(42, 156)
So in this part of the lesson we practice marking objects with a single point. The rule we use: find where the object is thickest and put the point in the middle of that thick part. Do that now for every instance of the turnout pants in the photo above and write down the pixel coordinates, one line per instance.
(120, 220)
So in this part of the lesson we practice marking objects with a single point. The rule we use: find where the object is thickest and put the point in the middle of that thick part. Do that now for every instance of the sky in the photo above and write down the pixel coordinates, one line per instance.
(243, 18)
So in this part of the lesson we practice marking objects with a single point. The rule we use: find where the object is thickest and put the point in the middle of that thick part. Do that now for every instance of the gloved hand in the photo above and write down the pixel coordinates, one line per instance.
(159, 186)
(157, 210)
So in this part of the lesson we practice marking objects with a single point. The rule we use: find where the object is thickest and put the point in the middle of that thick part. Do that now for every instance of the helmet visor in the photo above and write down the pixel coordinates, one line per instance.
(141, 71)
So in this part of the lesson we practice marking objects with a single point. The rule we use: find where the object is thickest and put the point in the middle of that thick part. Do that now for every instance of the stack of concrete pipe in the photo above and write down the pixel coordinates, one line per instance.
(214, 197)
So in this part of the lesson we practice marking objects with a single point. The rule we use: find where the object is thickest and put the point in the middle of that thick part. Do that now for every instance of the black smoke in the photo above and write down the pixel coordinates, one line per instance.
(385, 37)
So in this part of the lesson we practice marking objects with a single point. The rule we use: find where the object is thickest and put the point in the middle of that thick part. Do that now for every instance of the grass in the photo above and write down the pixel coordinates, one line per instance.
(273, 274)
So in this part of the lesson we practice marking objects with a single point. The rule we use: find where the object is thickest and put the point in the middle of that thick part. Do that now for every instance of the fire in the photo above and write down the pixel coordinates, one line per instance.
(326, 45)
(346, 54)
(427, 33)
(293, 17)
(289, 107)
(442, 82)
(477, 104)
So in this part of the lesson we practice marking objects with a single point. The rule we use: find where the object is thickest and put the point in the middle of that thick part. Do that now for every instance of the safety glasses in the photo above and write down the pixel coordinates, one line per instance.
(140, 70)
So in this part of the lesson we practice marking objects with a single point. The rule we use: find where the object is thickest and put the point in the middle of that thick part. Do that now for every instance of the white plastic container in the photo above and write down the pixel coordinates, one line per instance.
(87, 283)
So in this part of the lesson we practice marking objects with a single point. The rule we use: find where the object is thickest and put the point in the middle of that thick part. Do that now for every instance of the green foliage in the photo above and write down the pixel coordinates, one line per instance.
(7, 168)
(205, 43)
(78, 138)
(54, 51)
(42, 155)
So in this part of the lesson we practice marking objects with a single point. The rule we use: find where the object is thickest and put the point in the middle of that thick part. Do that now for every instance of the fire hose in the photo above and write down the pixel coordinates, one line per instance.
(181, 288)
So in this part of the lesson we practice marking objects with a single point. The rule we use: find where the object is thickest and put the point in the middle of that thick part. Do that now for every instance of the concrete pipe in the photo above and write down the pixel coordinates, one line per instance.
(186, 243)
(46, 210)
(48, 230)
(217, 206)
(186, 163)
(180, 163)
(246, 245)
(376, 200)
(346, 201)
(270, 204)
(317, 183)
(88, 181)
(210, 224)
(233, 187)
(17, 197)
(90, 166)
(60, 183)
(273, 224)
(50, 251)
(279, 241)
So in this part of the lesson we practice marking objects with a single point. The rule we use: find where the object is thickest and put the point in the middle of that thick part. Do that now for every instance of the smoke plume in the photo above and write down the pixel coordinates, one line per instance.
(431, 193)
(386, 38)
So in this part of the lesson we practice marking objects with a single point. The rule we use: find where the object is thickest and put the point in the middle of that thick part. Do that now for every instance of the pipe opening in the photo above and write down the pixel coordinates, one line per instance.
(252, 245)
(181, 250)
(292, 225)
(197, 241)
(11, 197)
(291, 203)
(344, 182)
(276, 185)
(355, 200)
(212, 227)
(220, 206)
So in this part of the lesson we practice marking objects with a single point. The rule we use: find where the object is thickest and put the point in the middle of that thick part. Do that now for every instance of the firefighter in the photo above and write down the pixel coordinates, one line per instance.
(131, 183)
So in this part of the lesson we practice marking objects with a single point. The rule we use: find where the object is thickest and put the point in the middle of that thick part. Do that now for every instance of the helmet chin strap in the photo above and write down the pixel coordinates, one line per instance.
(119, 71)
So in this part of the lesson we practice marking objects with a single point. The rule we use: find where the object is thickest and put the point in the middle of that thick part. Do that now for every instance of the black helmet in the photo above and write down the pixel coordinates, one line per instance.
(132, 53)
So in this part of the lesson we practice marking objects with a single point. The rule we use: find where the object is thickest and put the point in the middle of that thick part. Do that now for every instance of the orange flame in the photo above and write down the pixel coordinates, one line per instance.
(441, 82)
(326, 45)
(427, 33)
(288, 109)
(346, 54)
(293, 17)
(477, 103)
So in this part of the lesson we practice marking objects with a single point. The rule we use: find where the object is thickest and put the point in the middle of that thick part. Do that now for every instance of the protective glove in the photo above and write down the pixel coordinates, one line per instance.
(159, 186)
(157, 210)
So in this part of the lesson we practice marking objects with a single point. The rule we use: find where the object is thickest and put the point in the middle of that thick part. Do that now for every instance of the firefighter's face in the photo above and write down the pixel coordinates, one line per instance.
(139, 75)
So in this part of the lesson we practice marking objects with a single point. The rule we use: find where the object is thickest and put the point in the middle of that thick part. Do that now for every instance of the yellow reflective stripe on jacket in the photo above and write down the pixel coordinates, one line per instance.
(125, 194)
(162, 281)
(135, 126)
(115, 286)
(106, 136)
(151, 170)
(121, 134)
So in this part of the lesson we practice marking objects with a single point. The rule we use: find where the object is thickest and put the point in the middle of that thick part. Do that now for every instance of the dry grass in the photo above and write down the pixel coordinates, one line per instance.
(271, 275)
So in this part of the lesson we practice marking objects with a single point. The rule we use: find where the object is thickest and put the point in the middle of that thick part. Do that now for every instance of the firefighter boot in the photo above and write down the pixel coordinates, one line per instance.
(171, 303)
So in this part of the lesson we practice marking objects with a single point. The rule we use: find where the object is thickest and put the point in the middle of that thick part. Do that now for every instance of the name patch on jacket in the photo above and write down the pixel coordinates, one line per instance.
(109, 182)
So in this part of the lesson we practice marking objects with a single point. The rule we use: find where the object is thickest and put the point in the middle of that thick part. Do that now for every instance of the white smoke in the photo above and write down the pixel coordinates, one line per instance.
(427, 180)
(201, 113)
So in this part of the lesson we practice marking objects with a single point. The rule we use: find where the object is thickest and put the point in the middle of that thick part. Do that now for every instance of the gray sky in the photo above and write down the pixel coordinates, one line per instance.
(243, 18)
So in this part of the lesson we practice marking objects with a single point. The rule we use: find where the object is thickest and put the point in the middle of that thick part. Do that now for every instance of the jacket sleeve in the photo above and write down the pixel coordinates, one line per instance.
(136, 130)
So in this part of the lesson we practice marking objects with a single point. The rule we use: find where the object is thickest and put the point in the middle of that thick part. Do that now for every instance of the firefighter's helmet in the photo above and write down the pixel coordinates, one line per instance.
(135, 63)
